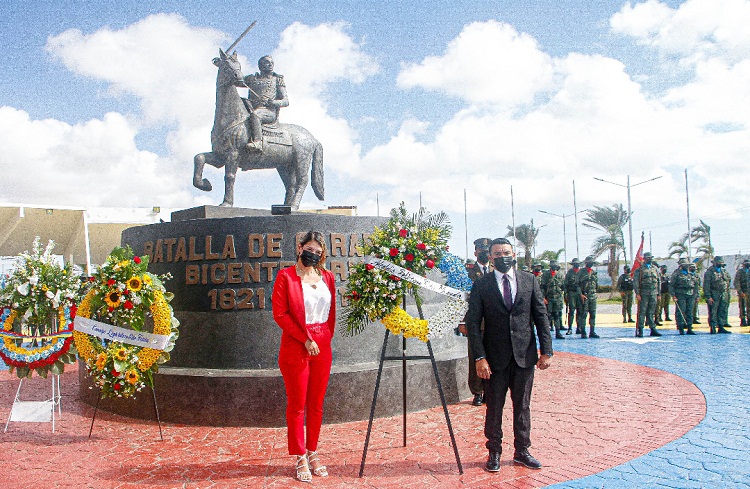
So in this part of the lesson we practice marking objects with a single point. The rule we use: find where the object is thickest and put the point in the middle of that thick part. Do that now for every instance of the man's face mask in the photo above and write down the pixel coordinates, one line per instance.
(503, 263)
(483, 256)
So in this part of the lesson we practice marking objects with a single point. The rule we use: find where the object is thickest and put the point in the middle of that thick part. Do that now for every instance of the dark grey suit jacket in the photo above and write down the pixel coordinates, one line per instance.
(508, 334)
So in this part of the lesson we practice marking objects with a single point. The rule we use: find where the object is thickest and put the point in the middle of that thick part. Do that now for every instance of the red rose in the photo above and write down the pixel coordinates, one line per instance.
(128, 305)
(430, 264)
(73, 311)
(110, 309)
(92, 279)
(393, 277)
(111, 282)
(394, 251)
(421, 246)
(117, 387)
(409, 257)
(403, 233)
(115, 373)
(369, 266)
(137, 259)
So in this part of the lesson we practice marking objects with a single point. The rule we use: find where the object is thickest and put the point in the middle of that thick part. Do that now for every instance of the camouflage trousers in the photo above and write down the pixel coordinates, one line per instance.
(663, 305)
(646, 312)
(588, 308)
(554, 310)
(683, 311)
(627, 305)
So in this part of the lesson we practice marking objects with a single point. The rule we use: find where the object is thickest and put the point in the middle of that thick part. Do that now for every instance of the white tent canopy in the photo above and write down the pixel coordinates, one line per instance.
(82, 236)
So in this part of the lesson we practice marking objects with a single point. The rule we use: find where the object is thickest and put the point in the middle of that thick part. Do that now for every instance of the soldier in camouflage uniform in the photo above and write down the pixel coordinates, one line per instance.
(666, 297)
(588, 283)
(572, 295)
(696, 291)
(681, 288)
(647, 287)
(625, 288)
(742, 286)
(553, 290)
(716, 282)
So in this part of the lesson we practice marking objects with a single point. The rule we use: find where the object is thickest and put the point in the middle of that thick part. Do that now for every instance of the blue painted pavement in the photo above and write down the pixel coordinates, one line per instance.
(716, 453)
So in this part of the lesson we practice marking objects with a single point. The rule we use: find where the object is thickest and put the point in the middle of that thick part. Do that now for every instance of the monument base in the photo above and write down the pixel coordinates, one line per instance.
(222, 397)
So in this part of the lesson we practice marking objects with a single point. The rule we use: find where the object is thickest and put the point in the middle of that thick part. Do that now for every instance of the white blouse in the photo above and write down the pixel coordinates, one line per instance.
(317, 302)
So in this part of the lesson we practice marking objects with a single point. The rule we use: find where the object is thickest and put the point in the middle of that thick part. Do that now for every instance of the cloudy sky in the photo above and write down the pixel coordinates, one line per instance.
(105, 104)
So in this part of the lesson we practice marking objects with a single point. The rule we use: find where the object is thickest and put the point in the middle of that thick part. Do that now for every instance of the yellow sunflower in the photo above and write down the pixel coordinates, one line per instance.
(131, 376)
(101, 361)
(147, 279)
(135, 284)
(113, 299)
(121, 354)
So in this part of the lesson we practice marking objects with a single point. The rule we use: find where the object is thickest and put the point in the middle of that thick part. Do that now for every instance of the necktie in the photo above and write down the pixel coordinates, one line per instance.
(484, 270)
(506, 293)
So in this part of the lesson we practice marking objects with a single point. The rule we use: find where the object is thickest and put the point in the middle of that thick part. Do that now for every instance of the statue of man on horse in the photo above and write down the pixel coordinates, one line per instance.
(247, 135)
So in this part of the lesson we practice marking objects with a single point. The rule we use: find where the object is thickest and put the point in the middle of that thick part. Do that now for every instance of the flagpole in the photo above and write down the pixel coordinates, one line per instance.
(687, 205)
(466, 226)
(513, 217)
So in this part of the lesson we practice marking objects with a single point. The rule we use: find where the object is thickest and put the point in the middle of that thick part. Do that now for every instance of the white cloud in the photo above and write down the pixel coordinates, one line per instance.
(487, 62)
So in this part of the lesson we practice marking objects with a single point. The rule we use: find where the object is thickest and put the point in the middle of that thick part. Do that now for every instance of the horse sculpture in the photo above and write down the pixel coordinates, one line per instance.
(231, 133)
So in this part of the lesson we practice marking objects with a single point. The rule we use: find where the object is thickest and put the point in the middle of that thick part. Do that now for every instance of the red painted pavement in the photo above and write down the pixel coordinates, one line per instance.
(588, 414)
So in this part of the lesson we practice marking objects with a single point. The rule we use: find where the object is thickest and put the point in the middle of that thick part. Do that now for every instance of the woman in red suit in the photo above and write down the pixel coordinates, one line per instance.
(304, 306)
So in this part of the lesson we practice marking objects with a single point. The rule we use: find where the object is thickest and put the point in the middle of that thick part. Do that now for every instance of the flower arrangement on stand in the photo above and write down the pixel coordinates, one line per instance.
(417, 244)
(38, 303)
(124, 294)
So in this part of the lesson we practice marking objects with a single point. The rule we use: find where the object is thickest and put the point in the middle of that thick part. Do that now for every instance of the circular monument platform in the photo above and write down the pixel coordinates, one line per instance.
(224, 369)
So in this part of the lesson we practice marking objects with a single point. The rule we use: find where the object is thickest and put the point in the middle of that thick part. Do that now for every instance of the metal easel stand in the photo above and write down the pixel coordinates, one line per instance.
(156, 410)
(404, 357)
(36, 411)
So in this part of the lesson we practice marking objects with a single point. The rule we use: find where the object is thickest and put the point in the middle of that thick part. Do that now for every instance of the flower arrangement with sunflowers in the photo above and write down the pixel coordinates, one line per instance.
(122, 293)
(416, 243)
(38, 302)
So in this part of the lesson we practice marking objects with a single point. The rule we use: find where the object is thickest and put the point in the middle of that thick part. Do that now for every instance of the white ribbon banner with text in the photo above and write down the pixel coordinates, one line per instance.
(412, 277)
(115, 333)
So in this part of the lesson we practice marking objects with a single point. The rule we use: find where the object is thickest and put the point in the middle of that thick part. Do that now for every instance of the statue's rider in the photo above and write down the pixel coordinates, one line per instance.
(266, 96)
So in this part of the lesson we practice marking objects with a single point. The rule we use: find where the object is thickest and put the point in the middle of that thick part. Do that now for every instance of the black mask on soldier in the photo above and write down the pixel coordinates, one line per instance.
(747, 265)
(503, 263)
(483, 256)
(589, 264)
(555, 267)
(309, 259)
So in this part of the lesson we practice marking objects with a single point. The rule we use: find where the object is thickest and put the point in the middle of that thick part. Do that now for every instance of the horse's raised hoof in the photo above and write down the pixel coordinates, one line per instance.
(204, 185)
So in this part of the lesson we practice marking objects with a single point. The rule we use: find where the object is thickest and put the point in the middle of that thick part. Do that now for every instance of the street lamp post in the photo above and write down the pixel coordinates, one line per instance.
(630, 213)
(565, 239)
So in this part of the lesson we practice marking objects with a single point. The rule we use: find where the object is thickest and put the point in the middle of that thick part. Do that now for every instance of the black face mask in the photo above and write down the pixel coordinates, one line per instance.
(483, 256)
(556, 267)
(589, 264)
(684, 267)
(309, 259)
(747, 265)
(503, 263)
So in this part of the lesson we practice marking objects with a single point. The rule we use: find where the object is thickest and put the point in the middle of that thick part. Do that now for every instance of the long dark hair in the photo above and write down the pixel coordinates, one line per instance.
(318, 238)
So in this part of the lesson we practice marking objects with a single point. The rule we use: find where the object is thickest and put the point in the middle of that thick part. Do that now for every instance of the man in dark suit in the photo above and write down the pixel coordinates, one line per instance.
(511, 305)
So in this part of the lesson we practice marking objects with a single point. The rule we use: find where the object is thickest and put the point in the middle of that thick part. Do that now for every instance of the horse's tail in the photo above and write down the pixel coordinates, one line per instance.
(317, 171)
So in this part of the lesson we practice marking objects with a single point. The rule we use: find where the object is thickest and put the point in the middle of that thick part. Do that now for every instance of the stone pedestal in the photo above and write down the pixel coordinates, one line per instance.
(224, 369)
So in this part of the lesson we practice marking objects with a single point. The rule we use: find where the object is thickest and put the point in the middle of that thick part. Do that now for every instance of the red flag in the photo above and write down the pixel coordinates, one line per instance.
(638, 259)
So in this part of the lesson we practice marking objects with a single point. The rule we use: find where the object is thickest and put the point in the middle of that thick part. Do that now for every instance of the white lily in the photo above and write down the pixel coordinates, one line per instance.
(23, 289)
(33, 280)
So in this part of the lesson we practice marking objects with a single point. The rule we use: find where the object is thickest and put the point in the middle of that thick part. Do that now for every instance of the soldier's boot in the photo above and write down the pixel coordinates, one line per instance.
(712, 328)
(630, 319)
(723, 330)
(657, 320)
(592, 333)
(654, 332)
(624, 319)
(742, 321)
(681, 329)
(690, 330)
(639, 332)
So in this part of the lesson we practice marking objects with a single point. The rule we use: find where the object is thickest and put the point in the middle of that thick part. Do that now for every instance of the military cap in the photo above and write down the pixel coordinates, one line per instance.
(663, 267)
(648, 254)
(483, 243)
(746, 261)
(682, 261)
(626, 267)
(537, 264)
(575, 261)
(589, 258)
(718, 259)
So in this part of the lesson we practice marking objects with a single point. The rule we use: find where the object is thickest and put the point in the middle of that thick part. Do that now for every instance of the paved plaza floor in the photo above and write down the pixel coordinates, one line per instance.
(617, 412)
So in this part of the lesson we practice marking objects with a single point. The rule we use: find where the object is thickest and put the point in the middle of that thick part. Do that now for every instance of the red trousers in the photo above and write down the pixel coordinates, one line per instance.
(306, 381)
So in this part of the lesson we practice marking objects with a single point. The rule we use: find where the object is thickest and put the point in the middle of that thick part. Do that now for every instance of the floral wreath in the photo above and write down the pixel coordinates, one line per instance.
(39, 298)
(414, 244)
(123, 293)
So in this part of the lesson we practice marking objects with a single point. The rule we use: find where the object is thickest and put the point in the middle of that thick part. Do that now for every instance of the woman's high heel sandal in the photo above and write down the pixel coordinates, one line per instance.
(303, 469)
(317, 467)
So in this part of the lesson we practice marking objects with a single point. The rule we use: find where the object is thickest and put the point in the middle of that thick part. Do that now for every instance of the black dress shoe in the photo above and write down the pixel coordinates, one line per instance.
(478, 399)
(524, 458)
(493, 462)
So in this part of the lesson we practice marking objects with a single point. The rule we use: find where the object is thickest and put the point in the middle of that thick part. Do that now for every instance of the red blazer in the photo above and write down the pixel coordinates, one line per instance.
(289, 306)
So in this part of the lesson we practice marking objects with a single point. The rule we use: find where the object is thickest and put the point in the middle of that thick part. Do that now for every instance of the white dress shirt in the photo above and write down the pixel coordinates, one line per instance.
(512, 279)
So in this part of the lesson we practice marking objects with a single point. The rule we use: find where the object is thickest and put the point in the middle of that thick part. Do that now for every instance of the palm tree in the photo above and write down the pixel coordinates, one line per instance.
(610, 220)
(549, 255)
(703, 233)
(679, 248)
(526, 235)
